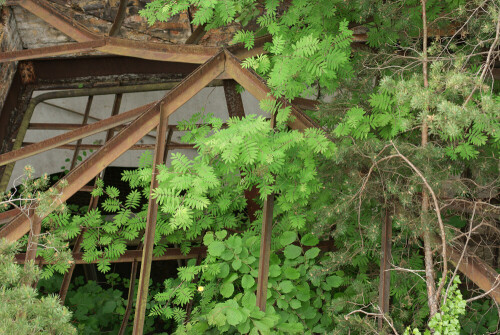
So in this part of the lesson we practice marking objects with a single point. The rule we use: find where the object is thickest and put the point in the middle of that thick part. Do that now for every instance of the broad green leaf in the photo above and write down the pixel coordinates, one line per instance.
(274, 270)
(292, 273)
(226, 290)
(233, 316)
(292, 251)
(309, 240)
(286, 286)
(294, 303)
(312, 253)
(334, 281)
(247, 281)
(216, 248)
(236, 264)
(288, 237)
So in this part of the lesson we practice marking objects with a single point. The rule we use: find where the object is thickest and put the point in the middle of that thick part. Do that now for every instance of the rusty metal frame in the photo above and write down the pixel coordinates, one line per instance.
(84, 172)
(120, 16)
(56, 50)
(149, 234)
(265, 252)
(73, 135)
(171, 146)
(5, 176)
(128, 257)
(480, 273)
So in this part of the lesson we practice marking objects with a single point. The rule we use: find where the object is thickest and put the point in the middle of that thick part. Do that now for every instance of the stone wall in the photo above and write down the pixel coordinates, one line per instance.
(9, 40)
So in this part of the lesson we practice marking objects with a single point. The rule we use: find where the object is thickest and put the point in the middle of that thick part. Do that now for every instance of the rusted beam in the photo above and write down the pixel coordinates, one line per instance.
(62, 23)
(130, 296)
(233, 99)
(385, 266)
(480, 273)
(171, 146)
(149, 234)
(120, 16)
(88, 169)
(157, 51)
(57, 50)
(265, 252)
(128, 257)
(170, 254)
(196, 35)
(84, 172)
(306, 104)
(258, 88)
(117, 46)
(63, 291)
(73, 126)
(8, 215)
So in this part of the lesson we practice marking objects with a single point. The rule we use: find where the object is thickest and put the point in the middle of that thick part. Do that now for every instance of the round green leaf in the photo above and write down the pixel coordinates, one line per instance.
(309, 240)
(274, 270)
(216, 248)
(334, 281)
(292, 273)
(292, 251)
(227, 290)
(227, 255)
(236, 264)
(282, 303)
(286, 286)
(221, 234)
(294, 303)
(247, 281)
(312, 253)
(288, 237)
(233, 316)
(224, 270)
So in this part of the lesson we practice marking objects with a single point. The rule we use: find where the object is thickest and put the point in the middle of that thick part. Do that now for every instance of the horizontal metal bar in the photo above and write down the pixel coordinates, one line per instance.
(57, 50)
(158, 51)
(129, 256)
(73, 126)
(171, 146)
(170, 254)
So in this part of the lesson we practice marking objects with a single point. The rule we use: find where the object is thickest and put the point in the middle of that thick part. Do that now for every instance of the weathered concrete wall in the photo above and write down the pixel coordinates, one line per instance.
(98, 16)
(9, 40)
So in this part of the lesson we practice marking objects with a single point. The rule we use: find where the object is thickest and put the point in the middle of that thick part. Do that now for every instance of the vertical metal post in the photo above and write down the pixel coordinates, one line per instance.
(135, 264)
(147, 254)
(265, 246)
(265, 251)
(385, 265)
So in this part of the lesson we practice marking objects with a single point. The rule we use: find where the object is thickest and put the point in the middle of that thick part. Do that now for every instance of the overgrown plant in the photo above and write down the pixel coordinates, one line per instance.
(21, 310)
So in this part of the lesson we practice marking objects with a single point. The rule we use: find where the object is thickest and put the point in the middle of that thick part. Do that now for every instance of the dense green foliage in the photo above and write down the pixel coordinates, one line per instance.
(21, 310)
(392, 134)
